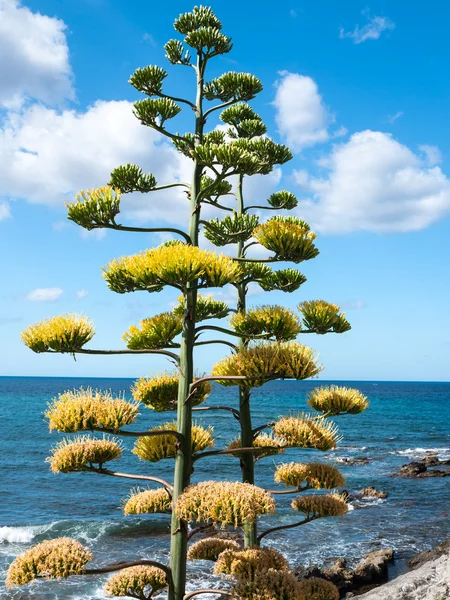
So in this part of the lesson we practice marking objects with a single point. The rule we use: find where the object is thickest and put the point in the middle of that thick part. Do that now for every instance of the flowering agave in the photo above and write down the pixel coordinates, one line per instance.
(266, 343)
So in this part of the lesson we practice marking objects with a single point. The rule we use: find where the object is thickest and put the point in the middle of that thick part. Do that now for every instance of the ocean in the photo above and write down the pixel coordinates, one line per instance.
(403, 423)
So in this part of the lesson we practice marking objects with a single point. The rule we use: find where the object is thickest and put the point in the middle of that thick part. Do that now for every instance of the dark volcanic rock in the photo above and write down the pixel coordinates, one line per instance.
(412, 469)
(427, 555)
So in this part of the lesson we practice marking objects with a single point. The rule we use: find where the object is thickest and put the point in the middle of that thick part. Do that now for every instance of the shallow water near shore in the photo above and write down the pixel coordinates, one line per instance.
(404, 422)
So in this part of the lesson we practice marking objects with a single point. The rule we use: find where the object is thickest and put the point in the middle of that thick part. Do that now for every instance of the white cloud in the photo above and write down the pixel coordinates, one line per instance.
(46, 156)
(34, 57)
(395, 116)
(374, 183)
(44, 295)
(82, 293)
(301, 115)
(371, 31)
(432, 153)
(5, 211)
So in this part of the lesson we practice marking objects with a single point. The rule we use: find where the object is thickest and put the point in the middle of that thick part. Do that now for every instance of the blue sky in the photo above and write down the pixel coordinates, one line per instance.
(360, 93)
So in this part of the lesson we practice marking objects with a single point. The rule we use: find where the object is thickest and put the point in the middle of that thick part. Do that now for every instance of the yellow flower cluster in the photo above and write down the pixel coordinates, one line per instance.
(161, 393)
(274, 321)
(211, 548)
(268, 444)
(307, 432)
(143, 502)
(271, 584)
(322, 317)
(81, 452)
(268, 360)
(316, 475)
(66, 333)
(321, 505)
(205, 308)
(288, 240)
(158, 447)
(335, 400)
(95, 208)
(154, 333)
(243, 564)
(85, 409)
(136, 580)
(52, 559)
(224, 503)
(170, 264)
(317, 588)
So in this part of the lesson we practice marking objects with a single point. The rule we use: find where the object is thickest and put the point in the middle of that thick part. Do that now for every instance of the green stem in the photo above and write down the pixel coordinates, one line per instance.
(247, 462)
(183, 460)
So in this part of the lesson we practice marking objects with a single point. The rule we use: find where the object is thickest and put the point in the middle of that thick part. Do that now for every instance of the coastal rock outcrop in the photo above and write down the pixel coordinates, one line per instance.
(427, 555)
(420, 470)
(373, 493)
(431, 581)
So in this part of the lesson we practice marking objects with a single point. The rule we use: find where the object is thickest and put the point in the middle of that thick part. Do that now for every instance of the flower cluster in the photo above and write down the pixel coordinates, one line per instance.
(271, 584)
(95, 208)
(66, 333)
(211, 548)
(82, 452)
(322, 317)
(52, 559)
(267, 444)
(154, 333)
(224, 503)
(315, 475)
(243, 564)
(335, 400)
(143, 502)
(307, 432)
(136, 580)
(161, 393)
(174, 264)
(266, 361)
(288, 239)
(205, 308)
(274, 321)
(321, 505)
(85, 409)
(157, 447)
(317, 588)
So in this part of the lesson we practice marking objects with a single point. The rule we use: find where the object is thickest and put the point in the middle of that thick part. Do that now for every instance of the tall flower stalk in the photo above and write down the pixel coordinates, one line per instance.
(262, 341)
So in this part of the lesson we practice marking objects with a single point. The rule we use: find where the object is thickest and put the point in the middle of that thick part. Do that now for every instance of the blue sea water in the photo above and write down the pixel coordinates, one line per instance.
(403, 423)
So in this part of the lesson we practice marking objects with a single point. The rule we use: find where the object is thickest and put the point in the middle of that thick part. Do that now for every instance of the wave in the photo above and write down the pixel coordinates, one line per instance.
(21, 535)
(422, 452)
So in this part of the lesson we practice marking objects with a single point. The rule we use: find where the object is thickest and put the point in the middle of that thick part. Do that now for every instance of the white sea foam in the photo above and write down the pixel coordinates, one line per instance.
(421, 452)
(18, 535)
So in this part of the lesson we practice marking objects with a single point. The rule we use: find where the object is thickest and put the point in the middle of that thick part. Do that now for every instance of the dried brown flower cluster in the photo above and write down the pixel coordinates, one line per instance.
(158, 447)
(307, 432)
(268, 446)
(335, 400)
(52, 559)
(65, 333)
(86, 409)
(211, 548)
(319, 506)
(243, 564)
(317, 589)
(136, 580)
(271, 584)
(224, 503)
(147, 501)
(81, 452)
(160, 393)
(268, 360)
(316, 475)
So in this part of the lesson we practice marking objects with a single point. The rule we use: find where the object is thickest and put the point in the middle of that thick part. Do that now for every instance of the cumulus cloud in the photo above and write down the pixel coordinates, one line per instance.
(301, 115)
(46, 156)
(44, 295)
(5, 211)
(82, 293)
(432, 153)
(371, 31)
(34, 57)
(374, 183)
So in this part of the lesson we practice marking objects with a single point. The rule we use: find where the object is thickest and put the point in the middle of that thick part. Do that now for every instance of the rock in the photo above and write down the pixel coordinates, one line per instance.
(308, 572)
(431, 460)
(340, 575)
(374, 567)
(360, 460)
(427, 555)
(431, 581)
(372, 492)
(412, 469)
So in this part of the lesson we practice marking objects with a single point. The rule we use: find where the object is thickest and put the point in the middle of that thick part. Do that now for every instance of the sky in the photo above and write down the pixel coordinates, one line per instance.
(359, 92)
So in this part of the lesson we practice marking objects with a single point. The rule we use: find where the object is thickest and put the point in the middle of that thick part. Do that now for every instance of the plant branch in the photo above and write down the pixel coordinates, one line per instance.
(194, 385)
(231, 345)
(230, 332)
(281, 527)
(254, 450)
(125, 565)
(220, 106)
(234, 411)
(176, 434)
(102, 471)
(207, 591)
(262, 427)
(173, 356)
(198, 530)
(118, 227)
